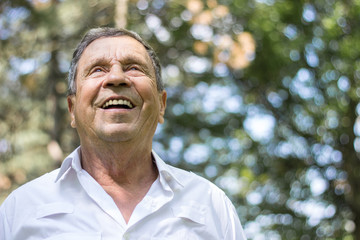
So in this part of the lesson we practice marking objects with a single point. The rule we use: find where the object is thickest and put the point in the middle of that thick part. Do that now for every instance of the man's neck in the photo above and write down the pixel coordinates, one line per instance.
(118, 164)
(125, 174)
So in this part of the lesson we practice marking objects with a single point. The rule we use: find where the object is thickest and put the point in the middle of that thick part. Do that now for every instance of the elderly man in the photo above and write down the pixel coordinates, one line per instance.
(114, 186)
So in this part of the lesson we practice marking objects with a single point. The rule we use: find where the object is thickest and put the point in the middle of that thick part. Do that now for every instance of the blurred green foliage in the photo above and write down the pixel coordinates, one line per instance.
(262, 100)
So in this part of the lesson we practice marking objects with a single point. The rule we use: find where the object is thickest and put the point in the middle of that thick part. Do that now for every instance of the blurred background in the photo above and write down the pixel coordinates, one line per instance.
(262, 100)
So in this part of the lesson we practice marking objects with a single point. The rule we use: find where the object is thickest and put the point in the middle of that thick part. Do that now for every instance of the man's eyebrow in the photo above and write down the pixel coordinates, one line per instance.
(131, 59)
(99, 61)
(136, 59)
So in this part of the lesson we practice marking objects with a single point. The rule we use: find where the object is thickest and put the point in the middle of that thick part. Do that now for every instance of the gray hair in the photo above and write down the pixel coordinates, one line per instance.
(104, 32)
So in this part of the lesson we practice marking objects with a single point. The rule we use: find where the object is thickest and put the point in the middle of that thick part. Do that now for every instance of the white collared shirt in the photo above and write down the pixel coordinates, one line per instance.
(68, 204)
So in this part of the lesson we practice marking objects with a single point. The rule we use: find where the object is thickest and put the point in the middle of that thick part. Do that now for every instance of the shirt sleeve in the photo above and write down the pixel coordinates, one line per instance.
(234, 230)
(4, 225)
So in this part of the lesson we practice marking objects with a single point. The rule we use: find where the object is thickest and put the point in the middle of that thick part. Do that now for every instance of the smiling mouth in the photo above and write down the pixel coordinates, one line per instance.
(123, 104)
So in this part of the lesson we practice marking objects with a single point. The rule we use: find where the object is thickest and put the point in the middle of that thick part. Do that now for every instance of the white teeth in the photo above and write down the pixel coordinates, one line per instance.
(118, 102)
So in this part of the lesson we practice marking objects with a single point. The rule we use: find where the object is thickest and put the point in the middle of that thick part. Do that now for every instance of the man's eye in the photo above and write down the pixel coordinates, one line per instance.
(133, 68)
(97, 70)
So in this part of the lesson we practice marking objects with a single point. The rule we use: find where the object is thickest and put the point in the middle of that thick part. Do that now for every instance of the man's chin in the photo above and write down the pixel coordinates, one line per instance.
(116, 137)
(117, 133)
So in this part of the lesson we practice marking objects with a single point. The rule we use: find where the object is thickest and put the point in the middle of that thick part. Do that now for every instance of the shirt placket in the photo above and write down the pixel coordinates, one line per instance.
(101, 198)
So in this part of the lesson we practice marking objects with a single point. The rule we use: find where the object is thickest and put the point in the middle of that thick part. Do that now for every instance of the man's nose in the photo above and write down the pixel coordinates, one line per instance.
(116, 77)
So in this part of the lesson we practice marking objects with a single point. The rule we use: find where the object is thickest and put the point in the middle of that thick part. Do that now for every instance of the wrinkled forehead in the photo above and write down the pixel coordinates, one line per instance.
(119, 46)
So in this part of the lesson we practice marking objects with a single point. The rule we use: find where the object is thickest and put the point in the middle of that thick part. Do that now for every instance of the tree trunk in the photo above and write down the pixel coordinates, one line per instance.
(351, 166)
(121, 10)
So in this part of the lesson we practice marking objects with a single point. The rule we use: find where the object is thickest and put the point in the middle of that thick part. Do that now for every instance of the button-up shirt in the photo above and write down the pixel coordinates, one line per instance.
(68, 204)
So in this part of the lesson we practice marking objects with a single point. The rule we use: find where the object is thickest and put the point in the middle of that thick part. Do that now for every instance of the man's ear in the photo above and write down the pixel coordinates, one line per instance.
(162, 100)
(71, 107)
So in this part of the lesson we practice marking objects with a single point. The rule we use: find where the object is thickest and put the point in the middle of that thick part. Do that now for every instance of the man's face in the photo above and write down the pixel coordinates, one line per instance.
(116, 96)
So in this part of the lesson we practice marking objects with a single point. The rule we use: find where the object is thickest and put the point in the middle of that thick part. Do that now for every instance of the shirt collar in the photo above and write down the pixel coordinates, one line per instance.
(73, 161)
(166, 173)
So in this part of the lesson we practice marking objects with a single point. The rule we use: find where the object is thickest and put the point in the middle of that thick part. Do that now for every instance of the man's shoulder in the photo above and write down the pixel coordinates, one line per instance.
(194, 182)
(188, 176)
(187, 179)
(41, 181)
(37, 187)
